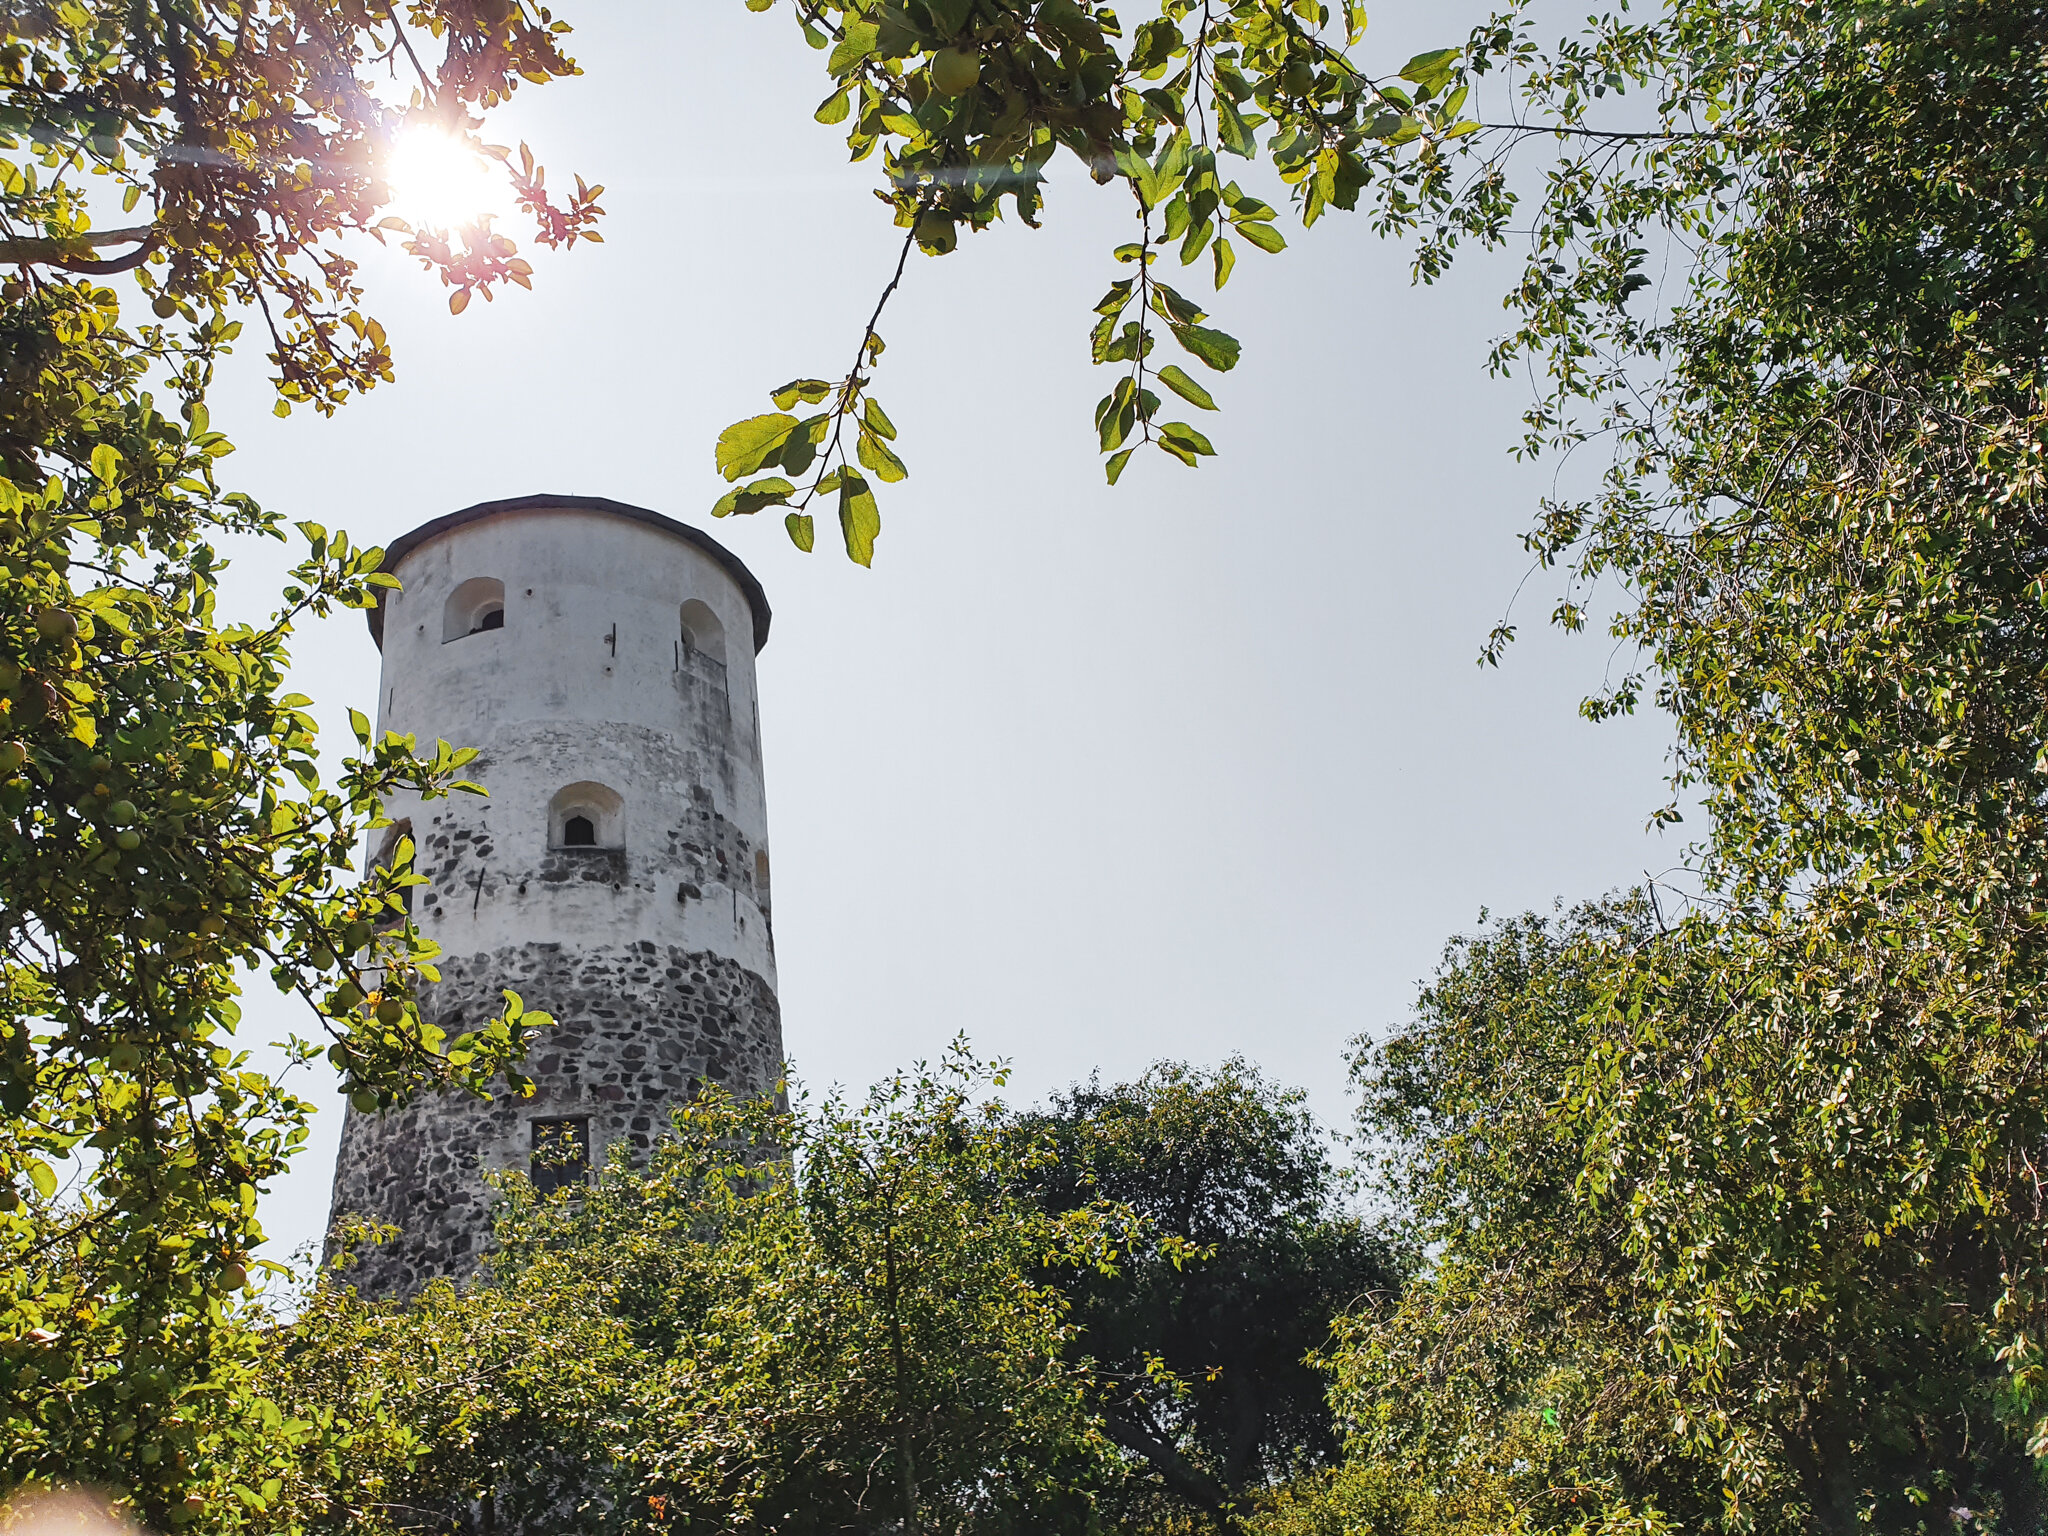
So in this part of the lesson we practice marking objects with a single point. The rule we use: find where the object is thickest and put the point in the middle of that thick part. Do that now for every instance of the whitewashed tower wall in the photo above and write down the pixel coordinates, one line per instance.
(617, 875)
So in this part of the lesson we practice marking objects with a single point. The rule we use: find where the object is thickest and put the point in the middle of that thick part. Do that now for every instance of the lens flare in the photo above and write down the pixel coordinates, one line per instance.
(440, 182)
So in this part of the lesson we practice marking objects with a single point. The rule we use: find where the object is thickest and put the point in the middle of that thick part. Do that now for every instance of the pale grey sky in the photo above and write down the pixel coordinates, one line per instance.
(1197, 766)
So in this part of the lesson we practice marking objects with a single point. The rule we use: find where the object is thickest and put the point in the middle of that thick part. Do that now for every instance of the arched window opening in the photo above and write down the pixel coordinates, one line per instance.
(703, 635)
(475, 606)
(586, 815)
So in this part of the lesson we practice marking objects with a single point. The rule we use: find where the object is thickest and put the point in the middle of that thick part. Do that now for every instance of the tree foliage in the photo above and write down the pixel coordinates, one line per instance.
(167, 831)
(1782, 261)
(836, 1318)
(1200, 1343)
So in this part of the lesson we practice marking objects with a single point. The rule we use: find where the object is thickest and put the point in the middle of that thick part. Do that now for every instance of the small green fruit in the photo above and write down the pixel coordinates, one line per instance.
(347, 996)
(363, 1103)
(213, 925)
(127, 839)
(955, 71)
(360, 933)
(936, 235)
(321, 958)
(10, 1198)
(390, 1011)
(10, 676)
(12, 755)
(235, 1276)
(122, 813)
(56, 624)
(125, 1057)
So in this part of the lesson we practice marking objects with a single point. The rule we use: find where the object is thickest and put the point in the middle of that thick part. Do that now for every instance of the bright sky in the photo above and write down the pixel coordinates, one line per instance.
(1198, 766)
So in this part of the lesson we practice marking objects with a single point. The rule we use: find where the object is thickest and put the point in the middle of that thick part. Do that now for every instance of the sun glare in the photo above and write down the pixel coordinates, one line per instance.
(438, 180)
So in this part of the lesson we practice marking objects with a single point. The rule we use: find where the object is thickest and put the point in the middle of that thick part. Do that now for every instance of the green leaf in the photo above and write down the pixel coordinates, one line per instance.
(743, 500)
(1235, 133)
(801, 446)
(857, 41)
(1264, 236)
(746, 445)
(1119, 296)
(810, 391)
(106, 463)
(878, 456)
(1179, 432)
(43, 1177)
(1175, 378)
(1117, 461)
(803, 530)
(1226, 261)
(877, 421)
(860, 520)
(834, 108)
(1214, 348)
(1430, 71)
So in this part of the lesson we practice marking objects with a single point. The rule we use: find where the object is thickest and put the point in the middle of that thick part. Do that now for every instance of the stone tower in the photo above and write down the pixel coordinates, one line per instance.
(601, 658)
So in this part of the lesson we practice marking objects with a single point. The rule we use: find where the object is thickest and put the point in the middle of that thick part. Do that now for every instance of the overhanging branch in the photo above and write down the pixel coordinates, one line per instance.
(70, 254)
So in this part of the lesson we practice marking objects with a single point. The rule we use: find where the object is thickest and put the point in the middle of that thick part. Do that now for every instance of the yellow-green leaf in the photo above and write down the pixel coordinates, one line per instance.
(860, 520)
(1175, 378)
(746, 445)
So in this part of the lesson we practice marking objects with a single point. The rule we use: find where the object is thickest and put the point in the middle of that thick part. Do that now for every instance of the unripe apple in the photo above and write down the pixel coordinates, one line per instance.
(55, 624)
(390, 1011)
(955, 71)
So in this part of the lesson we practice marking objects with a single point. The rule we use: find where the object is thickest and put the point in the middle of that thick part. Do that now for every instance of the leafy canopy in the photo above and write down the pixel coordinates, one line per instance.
(168, 834)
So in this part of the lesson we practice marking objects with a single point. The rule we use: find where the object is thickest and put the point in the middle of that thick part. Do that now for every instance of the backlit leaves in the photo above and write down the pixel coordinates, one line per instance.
(166, 835)
(968, 102)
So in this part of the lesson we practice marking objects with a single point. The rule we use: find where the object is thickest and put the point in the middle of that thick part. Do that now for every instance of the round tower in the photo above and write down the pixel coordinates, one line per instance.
(600, 657)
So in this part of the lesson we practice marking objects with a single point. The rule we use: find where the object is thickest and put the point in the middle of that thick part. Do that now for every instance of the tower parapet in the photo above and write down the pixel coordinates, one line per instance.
(600, 657)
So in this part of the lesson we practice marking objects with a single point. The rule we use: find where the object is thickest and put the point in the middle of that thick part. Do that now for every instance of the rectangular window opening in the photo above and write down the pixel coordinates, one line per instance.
(561, 1154)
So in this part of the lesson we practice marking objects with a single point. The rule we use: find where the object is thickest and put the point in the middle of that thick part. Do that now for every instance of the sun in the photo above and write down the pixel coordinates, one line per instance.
(438, 181)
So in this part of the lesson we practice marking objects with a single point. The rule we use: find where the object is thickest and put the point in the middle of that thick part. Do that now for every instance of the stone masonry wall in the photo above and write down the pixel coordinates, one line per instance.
(638, 1027)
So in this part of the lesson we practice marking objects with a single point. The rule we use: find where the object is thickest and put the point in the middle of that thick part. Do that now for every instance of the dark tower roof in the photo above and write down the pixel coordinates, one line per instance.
(405, 544)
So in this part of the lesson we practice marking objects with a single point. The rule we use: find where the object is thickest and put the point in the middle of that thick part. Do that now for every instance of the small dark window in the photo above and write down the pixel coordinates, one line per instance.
(561, 1154)
(492, 618)
(577, 832)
